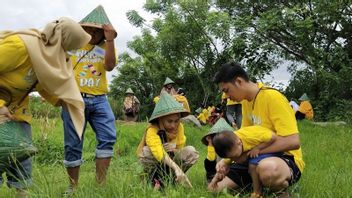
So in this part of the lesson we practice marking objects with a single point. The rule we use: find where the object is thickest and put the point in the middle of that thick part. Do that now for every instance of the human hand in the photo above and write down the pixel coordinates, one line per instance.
(5, 114)
(182, 178)
(109, 32)
(222, 168)
(169, 147)
(253, 153)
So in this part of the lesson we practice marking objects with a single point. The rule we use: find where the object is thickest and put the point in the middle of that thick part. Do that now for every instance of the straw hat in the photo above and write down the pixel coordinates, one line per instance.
(167, 105)
(219, 126)
(304, 97)
(168, 81)
(96, 18)
(129, 91)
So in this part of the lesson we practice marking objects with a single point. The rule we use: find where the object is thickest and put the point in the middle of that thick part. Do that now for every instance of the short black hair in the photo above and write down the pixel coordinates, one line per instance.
(230, 71)
(223, 143)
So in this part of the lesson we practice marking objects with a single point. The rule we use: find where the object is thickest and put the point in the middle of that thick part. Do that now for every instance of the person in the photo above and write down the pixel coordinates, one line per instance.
(90, 65)
(233, 111)
(131, 106)
(163, 147)
(305, 109)
(211, 158)
(169, 87)
(232, 145)
(37, 59)
(266, 107)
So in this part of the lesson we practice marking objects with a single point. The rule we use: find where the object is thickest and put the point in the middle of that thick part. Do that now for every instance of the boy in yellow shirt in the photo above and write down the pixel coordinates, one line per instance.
(266, 107)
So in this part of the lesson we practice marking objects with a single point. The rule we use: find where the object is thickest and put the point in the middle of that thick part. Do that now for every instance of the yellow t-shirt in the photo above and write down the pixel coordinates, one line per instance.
(271, 110)
(306, 108)
(201, 117)
(90, 73)
(154, 143)
(252, 136)
(16, 76)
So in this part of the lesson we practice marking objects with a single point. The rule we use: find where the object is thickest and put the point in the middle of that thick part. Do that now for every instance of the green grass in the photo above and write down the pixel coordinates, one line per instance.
(326, 152)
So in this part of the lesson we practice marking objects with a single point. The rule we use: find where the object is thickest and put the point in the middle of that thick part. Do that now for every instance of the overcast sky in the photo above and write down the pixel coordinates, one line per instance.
(21, 14)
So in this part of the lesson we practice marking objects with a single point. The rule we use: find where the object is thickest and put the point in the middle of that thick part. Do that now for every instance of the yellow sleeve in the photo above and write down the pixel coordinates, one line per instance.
(154, 143)
(181, 138)
(2, 103)
(252, 136)
(13, 52)
(211, 155)
(281, 115)
(227, 161)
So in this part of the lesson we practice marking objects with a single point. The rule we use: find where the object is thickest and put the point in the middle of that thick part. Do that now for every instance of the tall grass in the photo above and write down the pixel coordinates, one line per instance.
(326, 152)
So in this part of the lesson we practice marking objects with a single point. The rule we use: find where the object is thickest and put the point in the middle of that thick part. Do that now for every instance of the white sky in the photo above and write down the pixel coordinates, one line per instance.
(22, 14)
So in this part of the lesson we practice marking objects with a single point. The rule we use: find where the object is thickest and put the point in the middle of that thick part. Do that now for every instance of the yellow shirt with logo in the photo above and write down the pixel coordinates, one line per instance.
(16, 76)
(153, 141)
(306, 108)
(270, 109)
(89, 72)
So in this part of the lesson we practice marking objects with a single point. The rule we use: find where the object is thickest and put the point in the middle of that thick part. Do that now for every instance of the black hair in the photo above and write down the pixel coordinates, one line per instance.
(223, 143)
(230, 71)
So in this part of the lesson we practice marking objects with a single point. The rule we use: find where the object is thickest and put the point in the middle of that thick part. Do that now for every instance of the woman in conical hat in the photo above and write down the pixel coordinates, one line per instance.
(163, 143)
(33, 59)
(131, 106)
(305, 109)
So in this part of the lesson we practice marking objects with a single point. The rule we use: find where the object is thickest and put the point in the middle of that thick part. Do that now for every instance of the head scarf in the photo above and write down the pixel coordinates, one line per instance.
(47, 51)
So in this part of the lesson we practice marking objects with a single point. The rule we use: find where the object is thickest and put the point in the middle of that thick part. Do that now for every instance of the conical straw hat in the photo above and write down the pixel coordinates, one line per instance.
(167, 105)
(304, 97)
(129, 91)
(219, 126)
(96, 18)
(168, 81)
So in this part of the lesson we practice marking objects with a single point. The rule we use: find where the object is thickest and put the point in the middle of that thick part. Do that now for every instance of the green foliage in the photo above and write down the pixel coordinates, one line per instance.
(188, 40)
(43, 109)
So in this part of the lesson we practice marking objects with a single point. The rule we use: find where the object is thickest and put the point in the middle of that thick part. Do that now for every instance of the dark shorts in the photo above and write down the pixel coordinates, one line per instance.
(239, 173)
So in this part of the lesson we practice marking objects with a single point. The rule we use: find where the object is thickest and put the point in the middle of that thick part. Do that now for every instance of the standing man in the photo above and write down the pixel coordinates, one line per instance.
(266, 107)
(90, 64)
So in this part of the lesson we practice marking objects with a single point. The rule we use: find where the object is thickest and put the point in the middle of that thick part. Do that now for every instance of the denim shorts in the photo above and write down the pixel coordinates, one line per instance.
(102, 120)
(19, 174)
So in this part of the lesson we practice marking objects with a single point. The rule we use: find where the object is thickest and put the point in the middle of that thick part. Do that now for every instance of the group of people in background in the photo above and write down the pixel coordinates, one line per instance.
(254, 141)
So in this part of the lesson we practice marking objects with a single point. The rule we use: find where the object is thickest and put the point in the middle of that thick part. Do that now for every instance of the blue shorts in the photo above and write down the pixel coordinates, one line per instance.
(102, 120)
(256, 160)
(19, 174)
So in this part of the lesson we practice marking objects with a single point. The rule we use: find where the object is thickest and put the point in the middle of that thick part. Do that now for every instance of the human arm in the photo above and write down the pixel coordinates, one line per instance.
(4, 112)
(283, 144)
(110, 56)
(254, 152)
(181, 177)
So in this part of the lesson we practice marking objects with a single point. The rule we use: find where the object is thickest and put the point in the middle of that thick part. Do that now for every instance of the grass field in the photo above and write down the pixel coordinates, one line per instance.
(326, 150)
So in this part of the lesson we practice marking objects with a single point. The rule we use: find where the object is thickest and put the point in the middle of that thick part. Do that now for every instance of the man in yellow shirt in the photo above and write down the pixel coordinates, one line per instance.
(305, 109)
(266, 107)
(90, 64)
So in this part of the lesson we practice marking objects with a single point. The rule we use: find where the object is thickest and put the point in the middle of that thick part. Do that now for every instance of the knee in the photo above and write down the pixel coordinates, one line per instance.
(268, 174)
(271, 176)
(189, 155)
